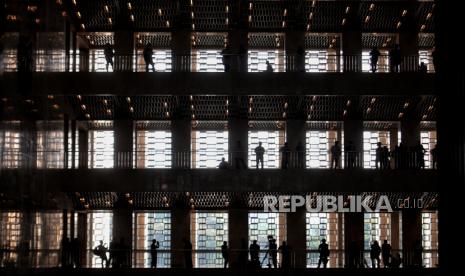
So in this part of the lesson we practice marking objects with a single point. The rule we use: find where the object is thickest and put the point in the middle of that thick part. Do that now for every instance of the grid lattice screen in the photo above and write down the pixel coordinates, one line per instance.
(99, 228)
(321, 226)
(153, 149)
(271, 142)
(257, 60)
(426, 56)
(207, 61)
(10, 234)
(10, 145)
(428, 140)
(209, 147)
(161, 58)
(47, 235)
(102, 149)
(263, 224)
(318, 147)
(370, 140)
(9, 60)
(149, 226)
(97, 61)
(430, 234)
(383, 61)
(320, 61)
(211, 229)
(52, 60)
(377, 228)
(50, 149)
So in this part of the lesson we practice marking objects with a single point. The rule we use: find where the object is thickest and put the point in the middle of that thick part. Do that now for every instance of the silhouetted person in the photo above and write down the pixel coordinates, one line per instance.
(101, 251)
(385, 158)
(148, 59)
(350, 155)
(379, 156)
(254, 250)
(113, 250)
(225, 254)
(154, 252)
(395, 154)
(396, 261)
(354, 255)
(374, 56)
(187, 253)
(76, 252)
(269, 68)
(285, 251)
(286, 152)
(65, 252)
(300, 155)
(395, 58)
(109, 53)
(323, 249)
(273, 252)
(226, 59)
(434, 157)
(420, 155)
(259, 152)
(335, 155)
(375, 251)
(386, 253)
(422, 68)
(223, 164)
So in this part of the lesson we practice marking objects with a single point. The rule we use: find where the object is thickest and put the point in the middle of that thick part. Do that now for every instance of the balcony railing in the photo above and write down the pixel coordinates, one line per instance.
(162, 159)
(58, 62)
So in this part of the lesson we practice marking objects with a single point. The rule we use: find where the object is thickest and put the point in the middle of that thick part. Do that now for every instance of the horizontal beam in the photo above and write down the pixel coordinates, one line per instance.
(132, 84)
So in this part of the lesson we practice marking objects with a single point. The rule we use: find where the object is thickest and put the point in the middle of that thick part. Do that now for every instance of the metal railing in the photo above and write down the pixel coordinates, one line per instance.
(59, 62)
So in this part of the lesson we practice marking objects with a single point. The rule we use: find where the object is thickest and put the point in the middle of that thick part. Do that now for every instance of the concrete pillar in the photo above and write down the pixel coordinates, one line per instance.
(410, 129)
(122, 228)
(238, 133)
(65, 140)
(83, 59)
(64, 222)
(295, 51)
(238, 46)
(393, 137)
(82, 238)
(353, 132)
(124, 47)
(181, 143)
(411, 237)
(352, 40)
(180, 229)
(408, 39)
(395, 231)
(124, 134)
(28, 147)
(296, 236)
(73, 144)
(353, 234)
(295, 133)
(25, 242)
(238, 230)
(181, 50)
(83, 138)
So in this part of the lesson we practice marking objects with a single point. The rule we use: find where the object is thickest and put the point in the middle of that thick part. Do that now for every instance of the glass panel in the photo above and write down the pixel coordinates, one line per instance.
(209, 147)
(383, 61)
(428, 140)
(101, 144)
(47, 235)
(257, 60)
(98, 62)
(10, 145)
(211, 229)
(271, 142)
(370, 141)
(322, 226)
(318, 148)
(10, 236)
(161, 58)
(430, 239)
(99, 228)
(153, 149)
(207, 61)
(50, 149)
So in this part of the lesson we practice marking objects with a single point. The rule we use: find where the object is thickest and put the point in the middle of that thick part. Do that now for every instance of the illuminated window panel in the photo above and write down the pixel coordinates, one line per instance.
(320, 61)
(102, 151)
(10, 146)
(272, 141)
(428, 140)
(370, 140)
(383, 61)
(70, 150)
(263, 224)
(47, 236)
(376, 228)
(153, 149)
(207, 61)
(10, 235)
(50, 61)
(319, 143)
(209, 147)
(426, 56)
(257, 60)
(430, 238)
(321, 226)
(161, 58)
(99, 228)
(71, 61)
(9, 60)
(98, 62)
(210, 229)
(149, 226)
(50, 151)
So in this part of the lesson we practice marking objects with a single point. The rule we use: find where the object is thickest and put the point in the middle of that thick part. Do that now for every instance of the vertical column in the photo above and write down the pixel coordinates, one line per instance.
(395, 232)
(295, 51)
(122, 228)
(295, 133)
(181, 139)
(28, 147)
(65, 140)
(410, 129)
(124, 132)
(238, 134)
(353, 239)
(83, 147)
(352, 40)
(238, 235)
(181, 47)
(82, 238)
(73, 144)
(68, 37)
(238, 46)
(124, 47)
(296, 237)
(25, 243)
(353, 135)
(408, 39)
(180, 230)
(411, 238)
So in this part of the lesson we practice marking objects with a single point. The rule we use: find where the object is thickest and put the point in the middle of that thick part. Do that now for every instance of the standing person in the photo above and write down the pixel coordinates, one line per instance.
(323, 249)
(386, 253)
(254, 250)
(113, 250)
(109, 53)
(225, 254)
(286, 152)
(350, 153)
(223, 164)
(65, 252)
(148, 53)
(273, 251)
(374, 56)
(285, 251)
(420, 154)
(335, 155)
(101, 251)
(395, 58)
(269, 68)
(379, 156)
(154, 252)
(259, 152)
(187, 253)
(300, 155)
(434, 156)
(375, 251)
